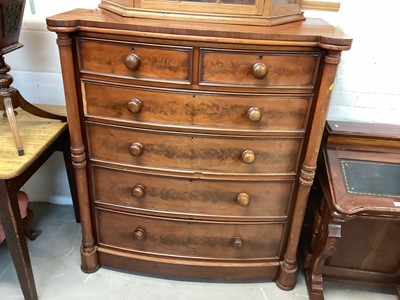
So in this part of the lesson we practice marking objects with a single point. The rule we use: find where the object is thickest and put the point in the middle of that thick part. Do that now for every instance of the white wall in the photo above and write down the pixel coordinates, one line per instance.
(36, 71)
(366, 87)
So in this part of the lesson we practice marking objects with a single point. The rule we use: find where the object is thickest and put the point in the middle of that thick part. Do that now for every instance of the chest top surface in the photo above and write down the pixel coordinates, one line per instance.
(311, 32)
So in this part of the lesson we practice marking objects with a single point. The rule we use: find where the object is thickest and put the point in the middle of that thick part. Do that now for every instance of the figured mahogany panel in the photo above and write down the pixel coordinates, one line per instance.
(367, 245)
(221, 198)
(173, 267)
(209, 153)
(230, 111)
(258, 69)
(137, 61)
(189, 238)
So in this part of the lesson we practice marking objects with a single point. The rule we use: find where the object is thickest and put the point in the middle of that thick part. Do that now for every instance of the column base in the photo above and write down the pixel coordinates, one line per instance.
(89, 260)
(286, 279)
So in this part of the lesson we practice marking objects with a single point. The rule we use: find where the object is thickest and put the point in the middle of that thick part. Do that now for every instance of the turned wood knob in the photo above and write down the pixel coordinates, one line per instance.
(138, 191)
(259, 70)
(134, 105)
(248, 156)
(136, 149)
(243, 199)
(254, 114)
(139, 234)
(132, 61)
(237, 243)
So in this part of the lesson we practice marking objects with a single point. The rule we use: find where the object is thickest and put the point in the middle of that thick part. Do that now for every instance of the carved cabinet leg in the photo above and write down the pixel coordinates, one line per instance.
(328, 235)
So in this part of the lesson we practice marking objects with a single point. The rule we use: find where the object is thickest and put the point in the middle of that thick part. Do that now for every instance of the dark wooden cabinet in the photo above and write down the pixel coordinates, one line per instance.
(352, 227)
(195, 145)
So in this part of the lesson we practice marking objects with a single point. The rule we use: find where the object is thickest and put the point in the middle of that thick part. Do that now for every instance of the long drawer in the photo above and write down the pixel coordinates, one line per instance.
(198, 197)
(258, 69)
(148, 62)
(222, 111)
(189, 238)
(200, 153)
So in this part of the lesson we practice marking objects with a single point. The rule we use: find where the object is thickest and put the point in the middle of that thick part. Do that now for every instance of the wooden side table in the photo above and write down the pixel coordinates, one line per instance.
(41, 137)
(352, 228)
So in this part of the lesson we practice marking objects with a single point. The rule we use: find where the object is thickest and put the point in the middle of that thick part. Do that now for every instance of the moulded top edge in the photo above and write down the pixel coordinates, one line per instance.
(308, 31)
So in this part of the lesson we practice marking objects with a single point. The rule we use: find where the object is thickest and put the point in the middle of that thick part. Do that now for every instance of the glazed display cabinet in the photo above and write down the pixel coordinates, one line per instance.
(262, 12)
(195, 145)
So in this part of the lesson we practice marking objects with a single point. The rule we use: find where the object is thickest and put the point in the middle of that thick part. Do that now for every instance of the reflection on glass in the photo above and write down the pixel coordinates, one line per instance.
(242, 2)
(283, 2)
(202, 1)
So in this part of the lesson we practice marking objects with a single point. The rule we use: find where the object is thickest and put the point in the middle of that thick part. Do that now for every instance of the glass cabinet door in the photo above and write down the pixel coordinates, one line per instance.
(242, 2)
(284, 2)
(227, 7)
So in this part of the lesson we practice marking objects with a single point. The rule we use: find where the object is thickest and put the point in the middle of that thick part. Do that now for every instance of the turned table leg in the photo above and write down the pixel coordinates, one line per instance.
(13, 124)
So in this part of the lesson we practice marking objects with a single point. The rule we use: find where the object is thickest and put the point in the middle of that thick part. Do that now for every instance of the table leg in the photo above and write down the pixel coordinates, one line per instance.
(16, 241)
(13, 124)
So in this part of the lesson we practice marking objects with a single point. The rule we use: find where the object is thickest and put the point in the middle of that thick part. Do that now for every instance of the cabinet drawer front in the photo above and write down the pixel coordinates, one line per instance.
(285, 70)
(193, 152)
(156, 63)
(191, 109)
(189, 238)
(231, 199)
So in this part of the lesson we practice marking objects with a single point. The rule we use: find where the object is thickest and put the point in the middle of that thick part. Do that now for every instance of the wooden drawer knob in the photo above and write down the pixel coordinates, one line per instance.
(138, 191)
(134, 105)
(254, 114)
(243, 199)
(259, 70)
(248, 156)
(139, 234)
(237, 243)
(132, 61)
(136, 149)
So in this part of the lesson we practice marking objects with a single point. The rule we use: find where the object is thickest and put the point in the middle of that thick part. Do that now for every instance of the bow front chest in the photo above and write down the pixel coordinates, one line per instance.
(195, 144)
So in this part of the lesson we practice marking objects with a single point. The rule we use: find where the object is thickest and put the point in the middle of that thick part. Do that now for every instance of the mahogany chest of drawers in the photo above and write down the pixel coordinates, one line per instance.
(195, 145)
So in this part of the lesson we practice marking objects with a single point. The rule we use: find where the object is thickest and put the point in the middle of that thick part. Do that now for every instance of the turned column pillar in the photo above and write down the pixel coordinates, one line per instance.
(78, 154)
(287, 272)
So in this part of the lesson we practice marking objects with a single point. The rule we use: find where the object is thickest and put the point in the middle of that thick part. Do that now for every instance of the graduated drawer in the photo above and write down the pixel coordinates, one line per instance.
(138, 61)
(224, 198)
(223, 111)
(189, 238)
(212, 153)
(258, 69)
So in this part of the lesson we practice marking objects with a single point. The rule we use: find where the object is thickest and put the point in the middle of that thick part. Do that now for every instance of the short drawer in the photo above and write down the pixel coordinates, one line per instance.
(222, 111)
(204, 153)
(189, 238)
(258, 69)
(137, 61)
(222, 198)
